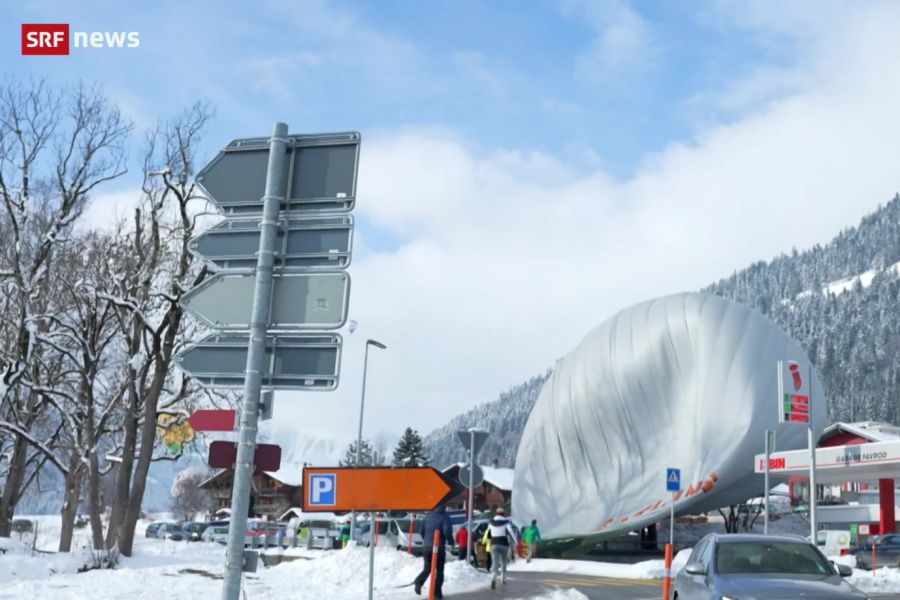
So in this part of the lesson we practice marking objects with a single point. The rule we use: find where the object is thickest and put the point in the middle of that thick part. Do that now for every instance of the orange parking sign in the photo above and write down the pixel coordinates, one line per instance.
(342, 489)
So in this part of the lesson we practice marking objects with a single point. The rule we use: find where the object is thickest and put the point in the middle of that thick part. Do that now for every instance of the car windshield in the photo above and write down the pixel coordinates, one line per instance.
(770, 557)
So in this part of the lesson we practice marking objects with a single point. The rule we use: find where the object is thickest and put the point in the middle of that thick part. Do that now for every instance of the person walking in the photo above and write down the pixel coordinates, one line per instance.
(436, 520)
(462, 542)
(501, 540)
(531, 536)
(345, 533)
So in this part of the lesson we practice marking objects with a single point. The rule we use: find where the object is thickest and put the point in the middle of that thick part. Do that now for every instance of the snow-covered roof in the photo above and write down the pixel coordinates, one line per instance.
(872, 431)
(498, 477)
(288, 474)
(296, 511)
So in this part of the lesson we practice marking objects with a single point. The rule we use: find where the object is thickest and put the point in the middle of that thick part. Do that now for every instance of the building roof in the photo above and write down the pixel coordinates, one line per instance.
(288, 475)
(498, 477)
(871, 431)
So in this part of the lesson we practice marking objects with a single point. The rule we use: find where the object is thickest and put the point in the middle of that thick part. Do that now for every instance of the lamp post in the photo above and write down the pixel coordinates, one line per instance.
(362, 405)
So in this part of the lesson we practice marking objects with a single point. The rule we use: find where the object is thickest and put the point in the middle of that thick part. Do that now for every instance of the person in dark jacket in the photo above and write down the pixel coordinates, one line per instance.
(436, 520)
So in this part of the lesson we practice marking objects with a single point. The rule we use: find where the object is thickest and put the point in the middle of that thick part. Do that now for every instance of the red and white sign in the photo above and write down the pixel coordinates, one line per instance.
(55, 39)
(45, 39)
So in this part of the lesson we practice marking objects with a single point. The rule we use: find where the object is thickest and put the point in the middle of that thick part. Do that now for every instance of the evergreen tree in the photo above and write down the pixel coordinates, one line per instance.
(369, 457)
(410, 451)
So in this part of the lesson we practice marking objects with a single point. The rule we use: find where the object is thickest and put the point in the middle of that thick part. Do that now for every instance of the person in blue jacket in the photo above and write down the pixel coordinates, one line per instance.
(436, 520)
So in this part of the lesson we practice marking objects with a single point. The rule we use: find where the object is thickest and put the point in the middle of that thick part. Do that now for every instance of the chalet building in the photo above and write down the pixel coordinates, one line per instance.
(495, 491)
(271, 493)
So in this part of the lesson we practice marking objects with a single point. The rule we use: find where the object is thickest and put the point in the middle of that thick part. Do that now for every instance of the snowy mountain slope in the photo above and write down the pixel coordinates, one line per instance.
(850, 328)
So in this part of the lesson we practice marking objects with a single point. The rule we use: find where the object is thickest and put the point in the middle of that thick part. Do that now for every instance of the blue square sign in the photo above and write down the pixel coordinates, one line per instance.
(321, 489)
(673, 480)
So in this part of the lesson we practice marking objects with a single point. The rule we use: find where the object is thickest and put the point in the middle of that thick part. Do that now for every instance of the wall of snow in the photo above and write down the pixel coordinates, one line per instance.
(686, 381)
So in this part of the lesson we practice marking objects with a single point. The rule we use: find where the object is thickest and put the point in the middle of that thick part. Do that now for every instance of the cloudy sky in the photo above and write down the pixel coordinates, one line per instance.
(527, 168)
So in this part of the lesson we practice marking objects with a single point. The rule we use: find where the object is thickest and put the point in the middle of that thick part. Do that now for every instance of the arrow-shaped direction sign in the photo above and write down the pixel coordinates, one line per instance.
(321, 174)
(212, 420)
(299, 300)
(266, 457)
(299, 362)
(314, 243)
(375, 489)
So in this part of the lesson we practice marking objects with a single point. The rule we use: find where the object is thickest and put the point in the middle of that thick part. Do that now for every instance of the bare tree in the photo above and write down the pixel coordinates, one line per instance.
(160, 269)
(188, 497)
(56, 148)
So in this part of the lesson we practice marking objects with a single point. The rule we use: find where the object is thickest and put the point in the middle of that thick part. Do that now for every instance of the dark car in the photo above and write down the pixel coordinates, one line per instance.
(887, 552)
(734, 567)
(193, 530)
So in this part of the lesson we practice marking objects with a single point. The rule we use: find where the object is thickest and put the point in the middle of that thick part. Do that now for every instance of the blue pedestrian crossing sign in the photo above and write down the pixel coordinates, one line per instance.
(673, 480)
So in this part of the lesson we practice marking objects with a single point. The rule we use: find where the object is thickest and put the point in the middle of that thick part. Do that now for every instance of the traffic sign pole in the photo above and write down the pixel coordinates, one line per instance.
(256, 357)
(470, 543)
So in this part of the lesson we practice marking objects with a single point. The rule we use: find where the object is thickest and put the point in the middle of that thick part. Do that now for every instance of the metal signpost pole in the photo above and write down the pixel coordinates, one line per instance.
(672, 522)
(256, 361)
(766, 488)
(812, 462)
(470, 542)
(372, 539)
(362, 404)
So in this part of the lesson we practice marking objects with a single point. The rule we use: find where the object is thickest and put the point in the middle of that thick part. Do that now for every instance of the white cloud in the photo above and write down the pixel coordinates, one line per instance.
(623, 44)
(509, 257)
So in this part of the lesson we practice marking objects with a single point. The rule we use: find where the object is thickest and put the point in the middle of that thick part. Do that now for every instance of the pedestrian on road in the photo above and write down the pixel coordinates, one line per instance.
(462, 541)
(345, 533)
(501, 541)
(531, 536)
(436, 520)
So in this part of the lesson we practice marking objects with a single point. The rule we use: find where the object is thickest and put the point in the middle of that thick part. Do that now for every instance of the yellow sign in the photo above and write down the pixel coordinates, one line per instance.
(174, 434)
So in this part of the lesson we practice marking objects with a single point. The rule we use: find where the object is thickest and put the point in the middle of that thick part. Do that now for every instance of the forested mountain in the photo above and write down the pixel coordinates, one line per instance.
(504, 418)
(840, 301)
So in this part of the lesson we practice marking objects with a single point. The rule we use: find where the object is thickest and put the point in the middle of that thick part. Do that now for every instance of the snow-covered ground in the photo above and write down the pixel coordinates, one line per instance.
(165, 567)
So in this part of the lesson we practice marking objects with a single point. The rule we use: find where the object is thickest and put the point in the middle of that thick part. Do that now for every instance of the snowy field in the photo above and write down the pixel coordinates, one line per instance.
(169, 568)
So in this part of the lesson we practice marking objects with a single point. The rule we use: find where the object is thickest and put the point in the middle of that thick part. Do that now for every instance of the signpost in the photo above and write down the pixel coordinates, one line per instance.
(471, 476)
(298, 300)
(297, 362)
(673, 484)
(287, 240)
(319, 174)
(770, 444)
(212, 420)
(342, 489)
(222, 455)
(308, 243)
(794, 407)
(473, 439)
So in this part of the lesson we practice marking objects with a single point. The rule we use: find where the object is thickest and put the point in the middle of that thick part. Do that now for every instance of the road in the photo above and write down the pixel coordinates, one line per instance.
(522, 585)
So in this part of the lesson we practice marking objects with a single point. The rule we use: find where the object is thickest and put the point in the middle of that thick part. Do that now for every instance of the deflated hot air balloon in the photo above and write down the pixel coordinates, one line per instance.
(686, 381)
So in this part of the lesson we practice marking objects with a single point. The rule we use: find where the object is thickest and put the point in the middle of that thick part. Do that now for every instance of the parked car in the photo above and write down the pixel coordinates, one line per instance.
(152, 528)
(833, 542)
(216, 533)
(193, 530)
(761, 567)
(887, 552)
(321, 533)
(170, 531)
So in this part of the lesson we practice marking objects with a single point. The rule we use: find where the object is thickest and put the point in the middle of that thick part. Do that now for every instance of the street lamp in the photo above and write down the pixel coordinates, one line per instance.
(362, 404)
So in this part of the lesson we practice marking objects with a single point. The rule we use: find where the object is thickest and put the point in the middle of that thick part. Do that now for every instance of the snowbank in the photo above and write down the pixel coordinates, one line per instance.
(648, 569)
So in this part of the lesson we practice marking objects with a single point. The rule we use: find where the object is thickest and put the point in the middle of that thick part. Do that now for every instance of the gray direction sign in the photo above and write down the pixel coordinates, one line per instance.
(464, 436)
(321, 174)
(477, 476)
(299, 300)
(310, 243)
(298, 361)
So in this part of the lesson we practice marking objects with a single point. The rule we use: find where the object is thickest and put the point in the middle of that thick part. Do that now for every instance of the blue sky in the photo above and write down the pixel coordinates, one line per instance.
(527, 168)
(535, 75)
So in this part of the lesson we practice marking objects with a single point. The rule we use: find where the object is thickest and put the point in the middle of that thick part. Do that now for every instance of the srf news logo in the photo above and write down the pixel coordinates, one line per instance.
(53, 39)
